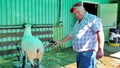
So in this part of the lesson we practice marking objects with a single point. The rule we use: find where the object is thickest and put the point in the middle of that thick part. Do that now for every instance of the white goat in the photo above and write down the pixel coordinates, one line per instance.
(31, 47)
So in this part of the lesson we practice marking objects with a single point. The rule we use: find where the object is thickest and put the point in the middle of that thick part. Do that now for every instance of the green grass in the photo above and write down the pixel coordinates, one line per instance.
(59, 57)
(5, 63)
(51, 59)
(55, 58)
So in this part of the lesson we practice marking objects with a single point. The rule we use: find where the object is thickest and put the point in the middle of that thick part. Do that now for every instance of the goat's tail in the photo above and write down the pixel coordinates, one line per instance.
(35, 55)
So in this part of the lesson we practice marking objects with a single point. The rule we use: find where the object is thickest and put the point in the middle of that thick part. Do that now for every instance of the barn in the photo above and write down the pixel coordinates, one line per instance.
(52, 20)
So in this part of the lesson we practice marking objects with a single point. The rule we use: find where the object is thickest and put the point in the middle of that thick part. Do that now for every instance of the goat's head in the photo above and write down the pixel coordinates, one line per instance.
(27, 25)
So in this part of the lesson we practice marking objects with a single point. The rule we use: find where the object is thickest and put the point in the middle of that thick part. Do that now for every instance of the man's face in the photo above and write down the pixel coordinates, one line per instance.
(79, 13)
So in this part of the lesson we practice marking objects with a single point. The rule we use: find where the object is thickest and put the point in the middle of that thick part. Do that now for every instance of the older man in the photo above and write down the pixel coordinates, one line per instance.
(88, 37)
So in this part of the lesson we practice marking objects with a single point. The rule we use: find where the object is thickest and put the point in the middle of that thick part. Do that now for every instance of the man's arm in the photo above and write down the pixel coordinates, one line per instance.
(100, 38)
(63, 40)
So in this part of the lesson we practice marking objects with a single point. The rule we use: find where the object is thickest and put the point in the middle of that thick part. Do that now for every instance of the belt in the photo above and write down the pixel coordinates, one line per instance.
(92, 50)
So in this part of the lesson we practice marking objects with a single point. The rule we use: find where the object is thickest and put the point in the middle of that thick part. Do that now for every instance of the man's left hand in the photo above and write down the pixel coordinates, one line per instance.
(99, 54)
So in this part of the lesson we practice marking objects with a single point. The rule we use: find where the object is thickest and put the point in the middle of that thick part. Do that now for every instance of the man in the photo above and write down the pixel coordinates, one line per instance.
(88, 37)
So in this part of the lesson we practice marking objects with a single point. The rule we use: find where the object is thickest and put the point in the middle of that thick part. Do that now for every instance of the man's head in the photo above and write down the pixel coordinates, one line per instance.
(78, 10)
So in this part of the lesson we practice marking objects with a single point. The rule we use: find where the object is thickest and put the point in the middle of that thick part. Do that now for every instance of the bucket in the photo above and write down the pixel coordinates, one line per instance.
(114, 37)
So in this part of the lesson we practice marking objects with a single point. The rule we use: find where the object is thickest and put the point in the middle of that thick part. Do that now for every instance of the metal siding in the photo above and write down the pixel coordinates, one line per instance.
(16, 12)
(97, 1)
(67, 18)
(7, 39)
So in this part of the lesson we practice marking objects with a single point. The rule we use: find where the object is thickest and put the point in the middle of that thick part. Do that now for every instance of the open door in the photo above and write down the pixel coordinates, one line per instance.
(108, 14)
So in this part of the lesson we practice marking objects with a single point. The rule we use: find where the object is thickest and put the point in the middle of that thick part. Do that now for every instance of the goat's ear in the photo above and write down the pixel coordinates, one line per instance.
(24, 25)
(32, 25)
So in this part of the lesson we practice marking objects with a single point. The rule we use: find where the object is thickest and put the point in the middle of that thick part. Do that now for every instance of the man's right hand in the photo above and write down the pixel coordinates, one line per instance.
(58, 42)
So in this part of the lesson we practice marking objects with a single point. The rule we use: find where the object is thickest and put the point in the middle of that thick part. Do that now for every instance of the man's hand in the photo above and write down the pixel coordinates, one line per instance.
(99, 54)
(58, 42)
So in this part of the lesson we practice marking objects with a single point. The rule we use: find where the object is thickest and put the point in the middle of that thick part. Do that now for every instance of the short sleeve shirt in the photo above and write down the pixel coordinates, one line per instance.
(84, 33)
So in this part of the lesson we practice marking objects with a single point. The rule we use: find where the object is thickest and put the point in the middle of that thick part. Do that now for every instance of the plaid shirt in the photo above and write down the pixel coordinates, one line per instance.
(84, 33)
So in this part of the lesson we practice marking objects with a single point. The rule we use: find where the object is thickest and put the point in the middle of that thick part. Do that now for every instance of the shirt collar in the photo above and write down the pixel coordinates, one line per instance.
(86, 14)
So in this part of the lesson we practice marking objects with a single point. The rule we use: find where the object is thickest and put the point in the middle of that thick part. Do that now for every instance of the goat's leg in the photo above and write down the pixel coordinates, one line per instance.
(32, 65)
(24, 61)
(38, 65)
